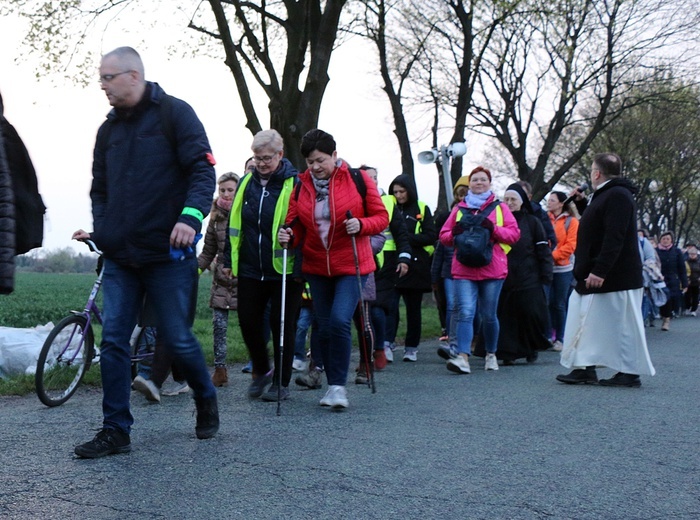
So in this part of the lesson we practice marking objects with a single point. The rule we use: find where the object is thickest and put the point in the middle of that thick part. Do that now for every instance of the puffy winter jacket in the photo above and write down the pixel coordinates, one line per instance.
(7, 225)
(224, 289)
(337, 258)
(143, 184)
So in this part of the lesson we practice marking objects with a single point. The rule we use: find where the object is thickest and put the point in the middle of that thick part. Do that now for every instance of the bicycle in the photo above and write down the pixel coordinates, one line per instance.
(69, 350)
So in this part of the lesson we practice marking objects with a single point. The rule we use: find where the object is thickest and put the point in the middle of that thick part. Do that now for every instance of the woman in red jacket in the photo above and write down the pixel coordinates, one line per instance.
(317, 219)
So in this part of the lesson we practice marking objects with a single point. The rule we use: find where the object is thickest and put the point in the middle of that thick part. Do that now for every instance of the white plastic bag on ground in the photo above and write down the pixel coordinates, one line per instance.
(20, 348)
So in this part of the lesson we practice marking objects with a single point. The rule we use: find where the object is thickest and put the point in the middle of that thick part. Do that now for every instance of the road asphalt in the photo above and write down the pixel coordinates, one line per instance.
(512, 444)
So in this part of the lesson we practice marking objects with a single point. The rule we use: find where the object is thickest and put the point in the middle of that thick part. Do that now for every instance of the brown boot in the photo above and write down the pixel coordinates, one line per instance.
(220, 376)
(666, 324)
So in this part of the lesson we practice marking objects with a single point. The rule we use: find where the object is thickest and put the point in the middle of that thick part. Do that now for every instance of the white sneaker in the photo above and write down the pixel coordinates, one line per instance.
(491, 363)
(389, 354)
(336, 397)
(410, 354)
(147, 388)
(298, 365)
(459, 364)
(693, 314)
(177, 388)
(557, 346)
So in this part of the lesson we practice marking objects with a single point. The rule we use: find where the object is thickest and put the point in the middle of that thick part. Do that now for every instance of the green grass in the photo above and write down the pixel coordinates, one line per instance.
(40, 298)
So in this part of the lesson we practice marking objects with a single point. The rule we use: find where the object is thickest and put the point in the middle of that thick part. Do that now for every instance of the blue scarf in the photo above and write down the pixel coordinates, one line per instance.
(475, 201)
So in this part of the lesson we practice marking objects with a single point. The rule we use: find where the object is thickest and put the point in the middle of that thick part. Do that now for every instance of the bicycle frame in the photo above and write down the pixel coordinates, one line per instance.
(89, 311)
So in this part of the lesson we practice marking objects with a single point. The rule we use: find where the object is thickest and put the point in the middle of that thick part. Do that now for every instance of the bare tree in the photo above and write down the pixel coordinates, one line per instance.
(399, 46)
(659, 143)
(429, 57)
(276, 46)
(553, 59)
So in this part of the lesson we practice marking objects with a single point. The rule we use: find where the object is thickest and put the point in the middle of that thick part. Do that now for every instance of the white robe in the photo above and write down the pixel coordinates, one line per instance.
(607, 330)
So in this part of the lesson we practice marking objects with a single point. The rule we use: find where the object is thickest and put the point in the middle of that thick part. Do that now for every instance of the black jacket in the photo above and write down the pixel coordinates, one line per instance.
(607, 239)
(386, 277)
(673, 268)
(7, 225)
(143, 184)
(421, 234)
(530, 258)
(257, 233)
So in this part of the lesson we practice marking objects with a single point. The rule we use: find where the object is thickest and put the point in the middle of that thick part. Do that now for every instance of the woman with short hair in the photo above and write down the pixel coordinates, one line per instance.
(255, 257)
(327, 216)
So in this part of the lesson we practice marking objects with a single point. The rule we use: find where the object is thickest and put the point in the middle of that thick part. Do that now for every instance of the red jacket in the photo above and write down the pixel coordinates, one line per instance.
(337, 259)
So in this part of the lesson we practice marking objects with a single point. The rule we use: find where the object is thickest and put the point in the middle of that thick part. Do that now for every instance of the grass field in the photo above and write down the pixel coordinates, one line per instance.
(40, 298)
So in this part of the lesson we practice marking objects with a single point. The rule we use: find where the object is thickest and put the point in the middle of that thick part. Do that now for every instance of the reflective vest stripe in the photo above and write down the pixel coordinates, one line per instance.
(280, 215)
(499, 222)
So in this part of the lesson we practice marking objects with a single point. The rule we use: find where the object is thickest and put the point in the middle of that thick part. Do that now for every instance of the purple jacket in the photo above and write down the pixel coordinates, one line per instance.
(508, 233)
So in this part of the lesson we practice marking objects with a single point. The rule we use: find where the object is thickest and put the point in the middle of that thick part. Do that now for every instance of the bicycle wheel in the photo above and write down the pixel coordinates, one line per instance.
(142, 350)
(64, 359)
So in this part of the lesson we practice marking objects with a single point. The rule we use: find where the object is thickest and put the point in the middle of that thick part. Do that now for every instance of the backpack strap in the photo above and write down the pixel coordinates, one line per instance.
(359, 180)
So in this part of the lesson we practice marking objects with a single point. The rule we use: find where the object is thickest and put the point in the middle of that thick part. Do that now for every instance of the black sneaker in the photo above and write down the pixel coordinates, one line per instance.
(106, 442)
(207, 418)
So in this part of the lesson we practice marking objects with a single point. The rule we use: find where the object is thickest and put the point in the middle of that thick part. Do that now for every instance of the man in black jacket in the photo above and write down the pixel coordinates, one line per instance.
(153, 180)
(604, 324)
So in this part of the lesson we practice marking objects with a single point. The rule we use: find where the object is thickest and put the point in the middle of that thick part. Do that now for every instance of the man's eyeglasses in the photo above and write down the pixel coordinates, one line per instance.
(264, 159)
(106, 78)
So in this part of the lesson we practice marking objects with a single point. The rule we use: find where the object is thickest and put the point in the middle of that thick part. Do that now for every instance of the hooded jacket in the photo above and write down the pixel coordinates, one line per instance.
(607, 239)
(224, 289)
(143, 185)
(422, 235)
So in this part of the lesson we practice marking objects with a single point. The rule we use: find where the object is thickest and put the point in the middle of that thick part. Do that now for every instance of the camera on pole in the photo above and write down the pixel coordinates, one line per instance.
(443, 156)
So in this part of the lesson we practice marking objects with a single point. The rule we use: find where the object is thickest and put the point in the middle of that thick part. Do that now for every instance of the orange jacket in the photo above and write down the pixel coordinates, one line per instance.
(566, 239)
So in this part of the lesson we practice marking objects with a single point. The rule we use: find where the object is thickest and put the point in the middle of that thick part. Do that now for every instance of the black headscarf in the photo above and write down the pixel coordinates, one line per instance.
(526, 207)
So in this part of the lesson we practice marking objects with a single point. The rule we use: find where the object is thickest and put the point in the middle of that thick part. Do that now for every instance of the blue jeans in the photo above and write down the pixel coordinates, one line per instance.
(335, 300)
(558, 302)
(450, 310)
(171, 287)
(306, 321)
(468, 294)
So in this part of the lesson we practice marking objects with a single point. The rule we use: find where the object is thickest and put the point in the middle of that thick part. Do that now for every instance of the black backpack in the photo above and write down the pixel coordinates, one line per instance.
(473, 246)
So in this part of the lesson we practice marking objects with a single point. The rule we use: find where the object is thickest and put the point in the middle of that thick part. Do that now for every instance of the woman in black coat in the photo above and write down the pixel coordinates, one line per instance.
(675, 276)
(522, 306)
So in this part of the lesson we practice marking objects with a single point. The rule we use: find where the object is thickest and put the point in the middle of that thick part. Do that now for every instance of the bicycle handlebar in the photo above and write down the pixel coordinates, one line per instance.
(88, 242)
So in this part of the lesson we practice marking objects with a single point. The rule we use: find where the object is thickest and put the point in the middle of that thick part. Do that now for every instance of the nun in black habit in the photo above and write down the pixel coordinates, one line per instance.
(522, 307)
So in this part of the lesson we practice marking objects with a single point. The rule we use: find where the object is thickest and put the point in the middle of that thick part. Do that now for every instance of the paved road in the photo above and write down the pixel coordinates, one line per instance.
(512, 444)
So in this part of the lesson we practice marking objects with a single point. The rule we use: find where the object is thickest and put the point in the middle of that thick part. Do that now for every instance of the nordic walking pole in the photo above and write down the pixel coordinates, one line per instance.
(282, 311)
(366, 338)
